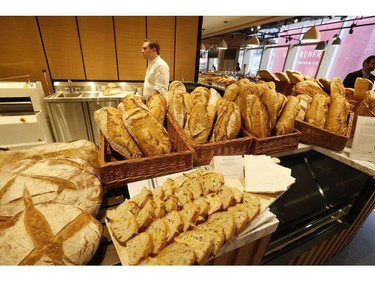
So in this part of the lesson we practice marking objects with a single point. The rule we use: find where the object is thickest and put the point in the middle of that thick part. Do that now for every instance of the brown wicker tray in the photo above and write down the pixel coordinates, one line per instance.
(203, 153)
(118, 173)
(322, 137)
(275, 144)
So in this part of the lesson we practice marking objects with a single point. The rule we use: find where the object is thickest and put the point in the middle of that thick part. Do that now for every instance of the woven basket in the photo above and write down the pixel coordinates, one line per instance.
(275, 144)
(203, 153)
(361, 109)
(322, 137)
(116, 173)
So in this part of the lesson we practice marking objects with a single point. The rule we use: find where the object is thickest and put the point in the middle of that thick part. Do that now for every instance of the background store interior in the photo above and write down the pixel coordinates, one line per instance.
(280, 47)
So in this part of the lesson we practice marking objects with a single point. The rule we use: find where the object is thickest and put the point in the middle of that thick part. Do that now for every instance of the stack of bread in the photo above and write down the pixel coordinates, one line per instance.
(135, 129)
(322, 110)
(264, 111)
(49, 197)
(111, 89)
(203, 114)
(183, 222)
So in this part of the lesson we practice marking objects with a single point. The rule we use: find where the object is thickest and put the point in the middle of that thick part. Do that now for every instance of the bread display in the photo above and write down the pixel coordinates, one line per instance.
(110, 122)
(111, 89)
(191, 230)
(50, 196)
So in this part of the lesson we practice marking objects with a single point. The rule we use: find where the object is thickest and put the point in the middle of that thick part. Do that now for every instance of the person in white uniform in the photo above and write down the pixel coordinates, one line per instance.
(157, 74)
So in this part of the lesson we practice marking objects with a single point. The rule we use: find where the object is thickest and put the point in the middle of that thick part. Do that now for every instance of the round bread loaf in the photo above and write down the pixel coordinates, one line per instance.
(49, 234)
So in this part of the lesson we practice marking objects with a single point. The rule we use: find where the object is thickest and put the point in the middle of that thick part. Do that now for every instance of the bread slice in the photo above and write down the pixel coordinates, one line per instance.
(215, 203)
(251, 201)
(141, 198)
(158, 230)
(211, 182)
(189, 214)
(145, 216)
(171, 203)
(158, 193)
(241, 216)
(175, 224)
(177, 254)
(217, 233)
(203, 205)
(160, 209)
(194, 186)
(237, 195)
(139, 247)
(226, 196)
(124, 229)
(122, 210)
(184, 195)
(199, 241)
(227, 221)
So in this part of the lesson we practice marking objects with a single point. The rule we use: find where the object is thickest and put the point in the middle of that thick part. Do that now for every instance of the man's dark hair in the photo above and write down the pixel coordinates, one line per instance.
(153, 43)
(368, 60)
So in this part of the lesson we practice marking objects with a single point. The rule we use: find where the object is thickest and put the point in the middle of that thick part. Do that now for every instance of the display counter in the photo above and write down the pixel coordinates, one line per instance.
(251, 249)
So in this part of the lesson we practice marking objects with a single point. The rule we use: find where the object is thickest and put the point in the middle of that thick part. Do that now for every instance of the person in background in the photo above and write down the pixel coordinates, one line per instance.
(368, 66)
(238, 68)
(242, 71)
(157, 74)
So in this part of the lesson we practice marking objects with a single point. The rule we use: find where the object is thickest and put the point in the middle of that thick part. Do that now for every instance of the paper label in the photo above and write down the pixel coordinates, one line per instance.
(363, 146)
(230, 167)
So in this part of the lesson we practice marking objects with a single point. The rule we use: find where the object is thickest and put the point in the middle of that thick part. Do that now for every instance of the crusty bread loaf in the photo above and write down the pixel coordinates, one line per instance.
(308, 87)
(295, 76)
(228, 122)
(317, 112)
(180, 107)
(255, 116)
(231, 92)
(157, 105)
(49, 234)
(285, 124)
(370, 100)
(139, 247)
(361, 86)
(271, 100)
(200, 95)
(337, 87)
(175, 87)
(130, 101)
(111, 89)
(110, 122)
(147, 131)
(337, 116)
(304, 102)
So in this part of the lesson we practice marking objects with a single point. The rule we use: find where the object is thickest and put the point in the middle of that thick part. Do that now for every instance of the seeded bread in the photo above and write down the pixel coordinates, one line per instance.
(177, 254)
(158, 230)
(227, 221)
(139, 247)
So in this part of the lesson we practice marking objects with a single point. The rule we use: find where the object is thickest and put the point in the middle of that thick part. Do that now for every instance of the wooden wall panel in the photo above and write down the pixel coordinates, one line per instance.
(186, 41)
(163, 29)
(61, 43)
(130, 33)
(98, 47)
(21, 51)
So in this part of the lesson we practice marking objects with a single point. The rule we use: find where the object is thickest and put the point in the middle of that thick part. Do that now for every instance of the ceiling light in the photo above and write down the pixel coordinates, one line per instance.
(336, 40)
(252, 42)
(321, 46)
(223, 45)
(203, 47)
(312, 35)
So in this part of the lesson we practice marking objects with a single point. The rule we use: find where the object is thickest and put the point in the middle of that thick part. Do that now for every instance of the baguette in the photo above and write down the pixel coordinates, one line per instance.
(316, 114)
(285, 124)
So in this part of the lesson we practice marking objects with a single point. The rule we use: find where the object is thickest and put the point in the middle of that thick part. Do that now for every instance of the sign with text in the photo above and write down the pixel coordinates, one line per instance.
(231, 167)
(363, 147)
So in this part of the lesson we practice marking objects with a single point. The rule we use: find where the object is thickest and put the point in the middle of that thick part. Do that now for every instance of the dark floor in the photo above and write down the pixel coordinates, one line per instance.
(361, 250)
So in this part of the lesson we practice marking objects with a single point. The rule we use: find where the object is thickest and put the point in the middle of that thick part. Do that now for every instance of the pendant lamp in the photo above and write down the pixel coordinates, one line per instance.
(321, 46)
(203, 47)
(312, 35)
(222, 45)
(336, 41)
(252, 42)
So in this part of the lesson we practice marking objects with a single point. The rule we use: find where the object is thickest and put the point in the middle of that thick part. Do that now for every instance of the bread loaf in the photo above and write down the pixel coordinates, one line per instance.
(285, 124)
(370, 100)
(111, 89)
(130, 101)
(317, 112)
(110, 122)
(148, 132)
(271, 100)
(157, 104)
(231, 92)
(175, 87)
(304, 102)
(337, 87)
(228, 122)
(337, 116)
(361, 86)
(308, 87)
(49, 234)
(255, 116)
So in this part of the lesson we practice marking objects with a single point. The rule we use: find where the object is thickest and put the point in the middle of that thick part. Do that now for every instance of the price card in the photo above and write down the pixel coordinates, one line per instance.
(231, 167)
(363, 147)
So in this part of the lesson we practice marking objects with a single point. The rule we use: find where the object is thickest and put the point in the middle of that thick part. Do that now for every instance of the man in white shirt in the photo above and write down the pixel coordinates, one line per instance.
(157, 74)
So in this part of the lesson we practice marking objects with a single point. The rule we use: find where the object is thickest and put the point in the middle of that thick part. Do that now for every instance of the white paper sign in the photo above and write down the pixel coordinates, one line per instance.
(230, 167)
(363, 147)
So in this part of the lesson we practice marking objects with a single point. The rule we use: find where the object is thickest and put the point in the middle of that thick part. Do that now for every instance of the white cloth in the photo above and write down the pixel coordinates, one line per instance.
(157, 78)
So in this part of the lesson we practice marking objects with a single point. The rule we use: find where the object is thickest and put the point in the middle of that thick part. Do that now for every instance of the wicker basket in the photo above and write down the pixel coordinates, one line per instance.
(203, 153)
(322, 137)
(361, 109)
(120, 172)
(275, 144)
